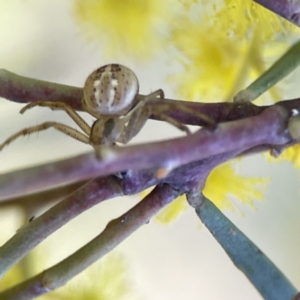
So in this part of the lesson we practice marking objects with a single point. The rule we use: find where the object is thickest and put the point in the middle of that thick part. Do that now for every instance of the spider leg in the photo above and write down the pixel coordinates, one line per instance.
(134, 125)
(192, 112)
(166, 106)
(174, 122)
(59, 126)
(159, 93)
(63, 106)
(138, 120)
(137, 117)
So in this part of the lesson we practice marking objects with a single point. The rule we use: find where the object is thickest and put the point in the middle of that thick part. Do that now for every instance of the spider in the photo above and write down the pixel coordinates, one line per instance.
(109, 95)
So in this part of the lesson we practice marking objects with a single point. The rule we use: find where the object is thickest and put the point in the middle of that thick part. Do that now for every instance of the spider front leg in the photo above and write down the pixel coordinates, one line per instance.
(158, 111)
(59, 126)
(172, 121)
(136, 118)
(61, 106)
(134, 125)
(175, 105)
(138, 108)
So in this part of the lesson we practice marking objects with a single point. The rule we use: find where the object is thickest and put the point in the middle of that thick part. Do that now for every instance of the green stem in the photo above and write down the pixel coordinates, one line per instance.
(280, 69)
(33, 233)
(114, 233)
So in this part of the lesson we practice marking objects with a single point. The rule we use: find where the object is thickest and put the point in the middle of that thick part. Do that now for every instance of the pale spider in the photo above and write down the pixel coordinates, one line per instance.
(110, 95)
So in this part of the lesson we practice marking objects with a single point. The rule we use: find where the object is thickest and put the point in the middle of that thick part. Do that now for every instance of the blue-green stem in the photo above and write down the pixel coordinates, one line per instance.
(246, 256)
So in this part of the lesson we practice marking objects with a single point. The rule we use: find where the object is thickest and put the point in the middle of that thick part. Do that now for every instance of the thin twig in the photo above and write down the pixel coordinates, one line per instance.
(84, 198)
(29, 236)
(115, 232)
(42, 198)
(32, 233)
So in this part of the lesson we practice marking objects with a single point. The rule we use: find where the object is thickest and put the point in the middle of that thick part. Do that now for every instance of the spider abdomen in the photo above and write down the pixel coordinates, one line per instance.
(110, 90)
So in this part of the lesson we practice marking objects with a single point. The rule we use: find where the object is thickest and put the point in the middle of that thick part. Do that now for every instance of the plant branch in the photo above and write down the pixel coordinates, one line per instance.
(43, 197)
(114, 233)
(268, 128)
(184, 162)
(246, 256)
(98, 190)
(21, 89)
(32, 233)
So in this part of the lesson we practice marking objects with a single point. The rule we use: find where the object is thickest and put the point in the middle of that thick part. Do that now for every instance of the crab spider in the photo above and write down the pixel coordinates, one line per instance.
(110, 95)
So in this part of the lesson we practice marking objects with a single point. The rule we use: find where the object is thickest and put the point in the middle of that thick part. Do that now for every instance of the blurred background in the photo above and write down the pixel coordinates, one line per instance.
(55, 41)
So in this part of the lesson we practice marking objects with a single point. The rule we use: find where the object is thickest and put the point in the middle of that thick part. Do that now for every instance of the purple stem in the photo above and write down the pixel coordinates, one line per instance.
(191, 176)
(22, 89)
(266, 128)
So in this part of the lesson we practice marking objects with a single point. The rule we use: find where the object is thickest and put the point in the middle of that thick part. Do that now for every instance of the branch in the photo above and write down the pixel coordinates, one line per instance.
(98, 190)
(193, 175)
(246, 256)
(32, 233)
(114, 233)
(23, 90)
(268, 128)
(41, 198)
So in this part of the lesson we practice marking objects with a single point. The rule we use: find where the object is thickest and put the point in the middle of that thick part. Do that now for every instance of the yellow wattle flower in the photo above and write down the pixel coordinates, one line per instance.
(12, 277)
(291, 154)
(112, 282)
(211, 62)
(224, 46)
(223, 183)
(131, 28)
(172, 211)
